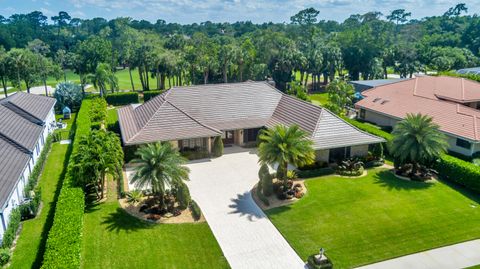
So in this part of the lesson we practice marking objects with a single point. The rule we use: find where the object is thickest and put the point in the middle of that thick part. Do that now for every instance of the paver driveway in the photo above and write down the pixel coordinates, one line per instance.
(248, 239)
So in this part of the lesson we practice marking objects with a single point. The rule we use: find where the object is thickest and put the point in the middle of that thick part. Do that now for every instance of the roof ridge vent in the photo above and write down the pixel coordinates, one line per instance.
(376, 99)
(384, 102)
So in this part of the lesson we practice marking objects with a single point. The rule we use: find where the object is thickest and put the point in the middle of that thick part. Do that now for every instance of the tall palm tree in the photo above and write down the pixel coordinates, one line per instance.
(102, 77)
(285, 145)
(417, 140)
(159, 166)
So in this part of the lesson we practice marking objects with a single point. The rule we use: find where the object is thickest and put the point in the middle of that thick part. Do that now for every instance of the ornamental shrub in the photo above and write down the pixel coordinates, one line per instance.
(217, 149)
(196, 212)
(266, 180)
(68, 94)
(183, 196)
(122, 98)
(4, 256)
(12, 228)
(377, 150)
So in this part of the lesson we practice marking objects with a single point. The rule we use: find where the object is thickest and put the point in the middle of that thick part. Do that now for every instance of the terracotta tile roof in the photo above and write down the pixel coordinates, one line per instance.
(206, 110)
(426, 95)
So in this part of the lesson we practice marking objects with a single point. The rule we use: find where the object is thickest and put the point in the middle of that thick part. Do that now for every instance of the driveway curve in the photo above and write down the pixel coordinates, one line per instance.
(221, 187)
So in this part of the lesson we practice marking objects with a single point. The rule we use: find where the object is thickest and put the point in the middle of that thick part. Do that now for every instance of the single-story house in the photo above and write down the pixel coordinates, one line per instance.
(25, 123)
(453, 103)
(191, 117)
(363, 85)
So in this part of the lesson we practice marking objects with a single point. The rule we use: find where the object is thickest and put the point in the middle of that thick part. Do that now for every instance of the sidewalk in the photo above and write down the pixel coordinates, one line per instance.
(456, 256)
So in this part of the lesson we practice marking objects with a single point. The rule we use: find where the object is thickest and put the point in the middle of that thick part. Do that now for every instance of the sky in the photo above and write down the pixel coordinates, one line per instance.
(257, 11)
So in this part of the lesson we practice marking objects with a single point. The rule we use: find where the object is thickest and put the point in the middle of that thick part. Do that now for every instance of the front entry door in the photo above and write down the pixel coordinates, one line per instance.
(229, 138)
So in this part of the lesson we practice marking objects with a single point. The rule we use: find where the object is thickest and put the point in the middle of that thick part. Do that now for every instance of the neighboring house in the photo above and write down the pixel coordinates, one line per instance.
(363, 85)
(469, 71)
(191, 117)
(25, 122)
(453, 104)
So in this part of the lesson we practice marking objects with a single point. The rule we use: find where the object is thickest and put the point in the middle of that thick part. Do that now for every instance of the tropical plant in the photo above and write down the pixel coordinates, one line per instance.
(340, 95)
(291, 174)
(351, 167)
(417, 140)
(296, 89)
(134, 197)
(159, 166)
(283, 145)
(68, 94)
(99, 153)
(102, 77)
(377, 151)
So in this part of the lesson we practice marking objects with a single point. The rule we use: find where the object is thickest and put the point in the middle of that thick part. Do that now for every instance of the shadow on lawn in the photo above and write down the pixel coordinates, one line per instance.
(245, 206)
(121, 221)
(464, 191)
(388, 180)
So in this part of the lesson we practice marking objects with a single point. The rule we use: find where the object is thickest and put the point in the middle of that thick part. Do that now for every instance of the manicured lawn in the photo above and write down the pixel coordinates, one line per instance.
(123, 80)
(319, 98)
(114, 239)
(377, 217)
(31, 243)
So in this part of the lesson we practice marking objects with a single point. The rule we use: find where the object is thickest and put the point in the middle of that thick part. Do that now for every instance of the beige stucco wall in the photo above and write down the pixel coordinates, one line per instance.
(238, 137)
(209, 144)
(452, 145)
(359, 151)
(322, 155)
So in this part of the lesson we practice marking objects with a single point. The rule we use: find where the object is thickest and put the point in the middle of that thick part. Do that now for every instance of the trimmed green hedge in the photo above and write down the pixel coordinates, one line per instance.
(147, 95)
(459, 171)
(370, 129)
(122, 98)
(64, 240)
(98, 109)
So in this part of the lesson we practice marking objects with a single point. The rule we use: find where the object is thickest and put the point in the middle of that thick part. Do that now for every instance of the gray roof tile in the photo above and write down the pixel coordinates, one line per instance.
(205, 110)
(21, 124)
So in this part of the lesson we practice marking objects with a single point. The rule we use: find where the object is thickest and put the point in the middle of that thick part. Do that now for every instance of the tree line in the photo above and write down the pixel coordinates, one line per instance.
(366, 46)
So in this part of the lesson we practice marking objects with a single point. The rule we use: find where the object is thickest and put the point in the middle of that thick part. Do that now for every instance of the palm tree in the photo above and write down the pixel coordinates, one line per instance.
(417, 140)
(102, 77)
(285, 145)
(100, 153)
(159, 166)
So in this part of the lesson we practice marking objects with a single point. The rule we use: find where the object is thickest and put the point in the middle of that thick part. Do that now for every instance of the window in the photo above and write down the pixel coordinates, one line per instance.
(463, 143)
(362, 113)
(192, 143)
(250, 135)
